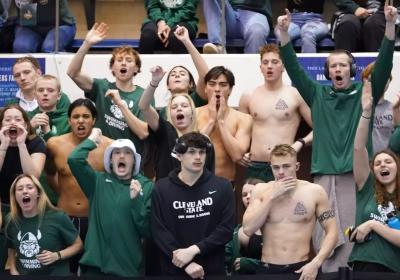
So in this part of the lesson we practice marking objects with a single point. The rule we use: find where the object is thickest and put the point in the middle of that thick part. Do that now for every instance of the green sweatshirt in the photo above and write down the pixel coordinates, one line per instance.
(336, 113)
(232, 252)
(117, 223)
(62, 104)
(173, 13)
(58, 123)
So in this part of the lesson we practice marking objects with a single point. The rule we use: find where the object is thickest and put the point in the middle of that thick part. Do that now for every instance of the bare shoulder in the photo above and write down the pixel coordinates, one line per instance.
(312, 188)
(55, 142)
(200, 110)
(293, 91)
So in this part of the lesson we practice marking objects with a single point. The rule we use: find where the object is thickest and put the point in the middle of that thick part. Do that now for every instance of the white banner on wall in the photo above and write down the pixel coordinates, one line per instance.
(244, 66)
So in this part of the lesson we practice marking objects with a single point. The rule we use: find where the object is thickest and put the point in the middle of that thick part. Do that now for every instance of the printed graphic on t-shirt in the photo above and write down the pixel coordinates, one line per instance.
(384, 120)
(385, 210)
(29, 248)
(172, 3)
(117, 120)
(193, 209)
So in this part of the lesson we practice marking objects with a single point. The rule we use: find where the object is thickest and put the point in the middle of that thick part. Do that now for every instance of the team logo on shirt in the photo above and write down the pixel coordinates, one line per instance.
(385, 210)
(172, 3)
(193, 209)
(28, 243)
(20, 3)
(116, 111)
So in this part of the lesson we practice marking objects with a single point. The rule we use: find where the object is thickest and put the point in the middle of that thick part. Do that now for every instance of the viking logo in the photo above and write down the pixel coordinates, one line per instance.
(116, 111)
(29, 245)
(172, 3)
(383, 211)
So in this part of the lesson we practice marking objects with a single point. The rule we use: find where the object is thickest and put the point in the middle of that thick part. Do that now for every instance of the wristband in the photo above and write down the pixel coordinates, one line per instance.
(301, 140)
(59, 255)
(154, 86)
(365, 117)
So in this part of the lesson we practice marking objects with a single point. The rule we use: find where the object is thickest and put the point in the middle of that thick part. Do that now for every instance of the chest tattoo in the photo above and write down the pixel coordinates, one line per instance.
(300, 209)
(281, 105)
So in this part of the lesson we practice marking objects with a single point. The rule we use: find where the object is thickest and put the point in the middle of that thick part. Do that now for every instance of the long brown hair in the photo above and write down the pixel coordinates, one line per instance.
(29, 129)
(381, 194)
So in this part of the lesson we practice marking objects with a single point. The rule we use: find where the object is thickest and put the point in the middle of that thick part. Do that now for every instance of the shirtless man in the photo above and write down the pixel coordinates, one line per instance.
(286, 210)
(228, 129)
(82, 116)
(276, 110)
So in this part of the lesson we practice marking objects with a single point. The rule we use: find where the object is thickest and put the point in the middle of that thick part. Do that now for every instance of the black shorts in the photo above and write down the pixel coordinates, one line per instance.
(268, 268)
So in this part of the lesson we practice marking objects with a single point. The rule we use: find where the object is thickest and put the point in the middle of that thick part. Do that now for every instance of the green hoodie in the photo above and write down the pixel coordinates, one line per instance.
(117, 223)
(336, 113)
(173, 13)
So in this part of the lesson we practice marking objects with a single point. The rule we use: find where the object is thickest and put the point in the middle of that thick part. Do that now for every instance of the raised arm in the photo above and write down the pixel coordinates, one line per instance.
(283, 27)
(94, 36)
(150, 115)
(326, 217)
(304, 84)
(182, 34)
(360, 155)
(384, 62)
(391, 17)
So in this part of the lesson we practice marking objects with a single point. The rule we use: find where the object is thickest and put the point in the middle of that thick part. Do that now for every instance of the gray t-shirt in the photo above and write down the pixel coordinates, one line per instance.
(383, 125)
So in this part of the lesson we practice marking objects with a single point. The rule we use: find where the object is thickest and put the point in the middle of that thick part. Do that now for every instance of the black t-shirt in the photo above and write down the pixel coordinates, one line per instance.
(12, 165)
(165, 139)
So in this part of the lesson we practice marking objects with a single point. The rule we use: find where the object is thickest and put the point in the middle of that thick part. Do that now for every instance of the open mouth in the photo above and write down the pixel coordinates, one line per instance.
(338, 78)
(385, 173)
(180, 117)
(121, 165)
(123, 71)
(269, 72)
(13, 131)
(26, 200)
(81, 128)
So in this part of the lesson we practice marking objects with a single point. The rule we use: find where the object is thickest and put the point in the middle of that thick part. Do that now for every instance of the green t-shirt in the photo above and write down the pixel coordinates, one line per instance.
(110, 118)
(336, 113)
(377, 250)
(55, 233)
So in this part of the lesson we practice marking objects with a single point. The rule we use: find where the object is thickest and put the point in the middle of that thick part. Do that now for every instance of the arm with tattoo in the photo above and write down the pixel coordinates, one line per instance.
(326, 217)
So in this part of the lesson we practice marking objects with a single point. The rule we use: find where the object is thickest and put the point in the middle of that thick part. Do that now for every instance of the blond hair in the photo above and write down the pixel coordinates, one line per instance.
(43, 203)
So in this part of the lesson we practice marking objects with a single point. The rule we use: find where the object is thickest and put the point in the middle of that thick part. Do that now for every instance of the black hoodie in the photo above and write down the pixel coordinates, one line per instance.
(202, 215)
